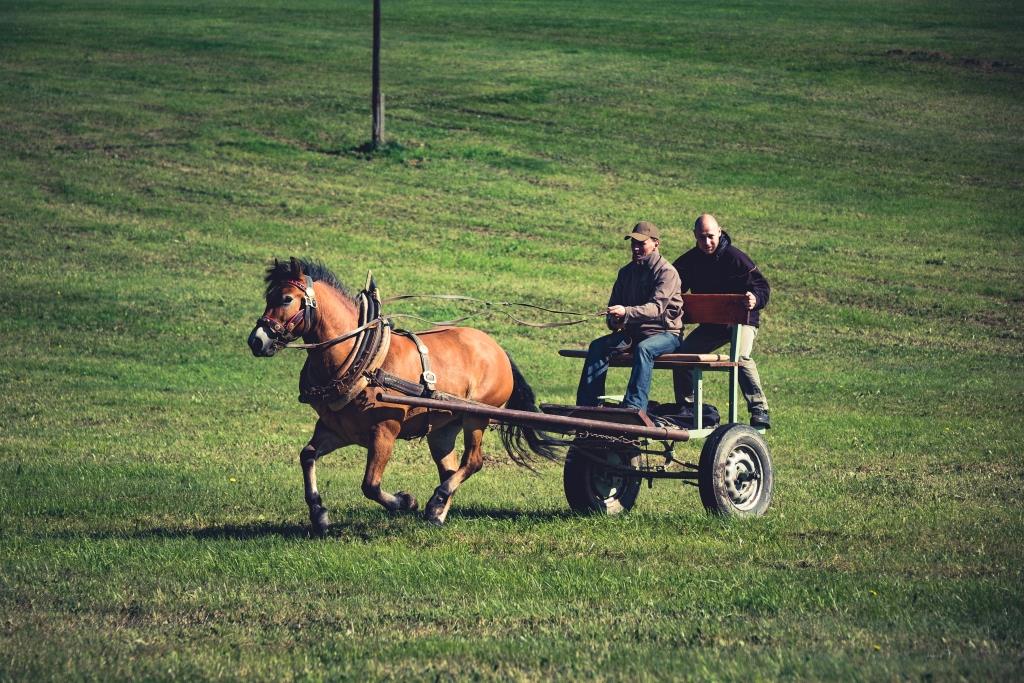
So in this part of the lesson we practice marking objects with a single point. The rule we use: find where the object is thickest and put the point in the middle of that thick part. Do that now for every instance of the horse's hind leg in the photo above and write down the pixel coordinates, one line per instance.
(321, 443)
(382, 442)
(442, 448)
(472, 461)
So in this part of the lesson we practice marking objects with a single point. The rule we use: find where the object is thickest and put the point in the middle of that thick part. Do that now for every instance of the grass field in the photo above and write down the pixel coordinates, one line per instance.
(868, 155)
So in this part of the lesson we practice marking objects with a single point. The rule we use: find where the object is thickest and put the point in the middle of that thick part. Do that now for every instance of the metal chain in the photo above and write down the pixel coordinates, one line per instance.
(606, 437)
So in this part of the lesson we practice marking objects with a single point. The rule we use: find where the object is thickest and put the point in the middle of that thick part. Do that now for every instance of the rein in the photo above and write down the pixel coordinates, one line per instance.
(340, 338)
(381, 320)
(489, 304)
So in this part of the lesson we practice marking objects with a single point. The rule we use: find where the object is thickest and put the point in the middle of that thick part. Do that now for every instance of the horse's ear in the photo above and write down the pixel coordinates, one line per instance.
(296, 269)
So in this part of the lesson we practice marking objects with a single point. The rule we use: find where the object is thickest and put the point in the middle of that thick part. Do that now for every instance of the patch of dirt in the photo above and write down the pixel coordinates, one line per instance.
(946, 58)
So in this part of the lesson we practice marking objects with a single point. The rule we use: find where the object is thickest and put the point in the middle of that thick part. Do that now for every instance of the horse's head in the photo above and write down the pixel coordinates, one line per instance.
(290, 312)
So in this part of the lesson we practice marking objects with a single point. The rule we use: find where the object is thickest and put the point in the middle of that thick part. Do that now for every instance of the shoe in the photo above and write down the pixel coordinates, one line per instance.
(759, 419)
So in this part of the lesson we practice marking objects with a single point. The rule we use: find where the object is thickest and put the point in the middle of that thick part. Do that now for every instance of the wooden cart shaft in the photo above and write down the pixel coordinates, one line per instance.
(554, 423)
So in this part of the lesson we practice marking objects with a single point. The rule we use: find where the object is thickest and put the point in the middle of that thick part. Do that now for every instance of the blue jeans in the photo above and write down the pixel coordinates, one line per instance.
(595, 367)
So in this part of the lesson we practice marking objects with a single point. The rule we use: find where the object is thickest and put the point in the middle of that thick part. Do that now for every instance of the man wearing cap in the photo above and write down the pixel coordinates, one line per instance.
(714, 266)
(645, 311)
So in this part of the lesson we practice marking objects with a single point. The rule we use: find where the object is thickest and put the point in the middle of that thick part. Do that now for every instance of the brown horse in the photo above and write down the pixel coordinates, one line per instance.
(305, 299)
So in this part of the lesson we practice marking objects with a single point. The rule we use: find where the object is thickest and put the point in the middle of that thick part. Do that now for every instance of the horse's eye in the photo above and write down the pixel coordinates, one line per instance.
(286, 300)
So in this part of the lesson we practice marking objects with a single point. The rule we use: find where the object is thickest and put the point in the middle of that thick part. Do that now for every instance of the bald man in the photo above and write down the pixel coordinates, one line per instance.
(715, 266)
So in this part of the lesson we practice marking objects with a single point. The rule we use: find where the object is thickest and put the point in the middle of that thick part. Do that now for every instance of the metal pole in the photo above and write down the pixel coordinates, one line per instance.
(377, 99)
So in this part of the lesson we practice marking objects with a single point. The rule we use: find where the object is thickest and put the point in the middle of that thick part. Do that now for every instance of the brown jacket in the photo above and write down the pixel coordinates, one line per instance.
(650, 292)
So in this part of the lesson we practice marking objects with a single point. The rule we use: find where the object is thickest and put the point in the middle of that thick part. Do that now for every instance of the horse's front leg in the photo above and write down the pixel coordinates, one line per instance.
(378, 453)
(321, 443)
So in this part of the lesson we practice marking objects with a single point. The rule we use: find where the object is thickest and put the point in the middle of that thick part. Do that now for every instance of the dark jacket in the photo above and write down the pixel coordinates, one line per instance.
(727, 271)
(650, 292)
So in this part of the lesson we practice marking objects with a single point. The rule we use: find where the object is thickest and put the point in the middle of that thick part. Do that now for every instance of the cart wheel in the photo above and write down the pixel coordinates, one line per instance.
(591, 488)
(735, 472)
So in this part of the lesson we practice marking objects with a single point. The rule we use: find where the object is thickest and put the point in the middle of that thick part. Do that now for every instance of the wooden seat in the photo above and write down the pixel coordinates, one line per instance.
(714, 309)
(665, 360)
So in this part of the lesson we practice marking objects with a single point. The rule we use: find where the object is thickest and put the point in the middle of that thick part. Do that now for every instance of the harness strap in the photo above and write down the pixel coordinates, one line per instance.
(403, 386)
(309, 305)
(428, 378)
(339, 392)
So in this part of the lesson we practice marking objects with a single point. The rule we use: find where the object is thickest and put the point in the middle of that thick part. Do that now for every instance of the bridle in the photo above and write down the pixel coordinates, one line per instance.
(306, 317)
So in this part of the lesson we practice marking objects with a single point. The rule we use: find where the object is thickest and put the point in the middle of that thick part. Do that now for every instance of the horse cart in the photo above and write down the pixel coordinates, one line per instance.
(614, 450)
(371, 383)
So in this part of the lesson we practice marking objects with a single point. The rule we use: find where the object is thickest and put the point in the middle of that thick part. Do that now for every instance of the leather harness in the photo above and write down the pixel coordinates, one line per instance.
(362, 367)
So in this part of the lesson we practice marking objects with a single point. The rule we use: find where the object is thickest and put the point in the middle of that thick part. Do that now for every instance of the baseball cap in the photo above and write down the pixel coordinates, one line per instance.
(644, 230)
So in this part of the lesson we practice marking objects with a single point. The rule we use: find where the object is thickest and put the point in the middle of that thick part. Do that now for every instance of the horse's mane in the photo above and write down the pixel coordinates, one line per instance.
(281, 271)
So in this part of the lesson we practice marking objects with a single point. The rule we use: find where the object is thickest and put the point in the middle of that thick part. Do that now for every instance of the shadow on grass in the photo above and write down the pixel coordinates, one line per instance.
(369, 151)
(496, 513)
(366, 525)
(242, 532)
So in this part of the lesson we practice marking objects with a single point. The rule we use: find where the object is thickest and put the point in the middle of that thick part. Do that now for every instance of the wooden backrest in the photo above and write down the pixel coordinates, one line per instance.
(718, 309)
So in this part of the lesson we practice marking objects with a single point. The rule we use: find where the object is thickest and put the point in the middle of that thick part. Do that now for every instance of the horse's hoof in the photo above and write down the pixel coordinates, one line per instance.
(436, 511)
(406, 501)
(434, 519)
(321, 521)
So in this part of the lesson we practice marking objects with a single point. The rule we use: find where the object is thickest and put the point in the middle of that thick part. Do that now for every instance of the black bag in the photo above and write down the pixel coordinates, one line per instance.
(683, 417)
(711, 417)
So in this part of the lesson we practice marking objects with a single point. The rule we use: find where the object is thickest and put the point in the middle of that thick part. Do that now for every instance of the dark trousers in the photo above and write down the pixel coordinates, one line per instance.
(707, 338)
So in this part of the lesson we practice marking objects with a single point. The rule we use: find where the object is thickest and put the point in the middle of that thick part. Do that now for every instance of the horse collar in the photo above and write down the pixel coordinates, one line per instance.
(372, 341)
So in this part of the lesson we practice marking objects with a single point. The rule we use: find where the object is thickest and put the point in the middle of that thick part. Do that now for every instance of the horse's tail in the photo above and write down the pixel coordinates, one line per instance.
(522, 442)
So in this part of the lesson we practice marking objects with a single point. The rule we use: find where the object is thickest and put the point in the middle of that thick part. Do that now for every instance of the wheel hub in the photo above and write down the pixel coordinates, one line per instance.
(742, 477)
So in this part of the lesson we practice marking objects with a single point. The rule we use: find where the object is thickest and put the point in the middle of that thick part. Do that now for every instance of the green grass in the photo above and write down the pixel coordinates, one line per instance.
(155, 156)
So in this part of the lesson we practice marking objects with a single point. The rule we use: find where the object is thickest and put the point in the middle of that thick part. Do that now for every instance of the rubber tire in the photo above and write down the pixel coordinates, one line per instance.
(749, 452)
(590, 489)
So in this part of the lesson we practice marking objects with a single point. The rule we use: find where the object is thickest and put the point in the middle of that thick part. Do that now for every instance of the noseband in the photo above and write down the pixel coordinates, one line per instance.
(305, 317)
